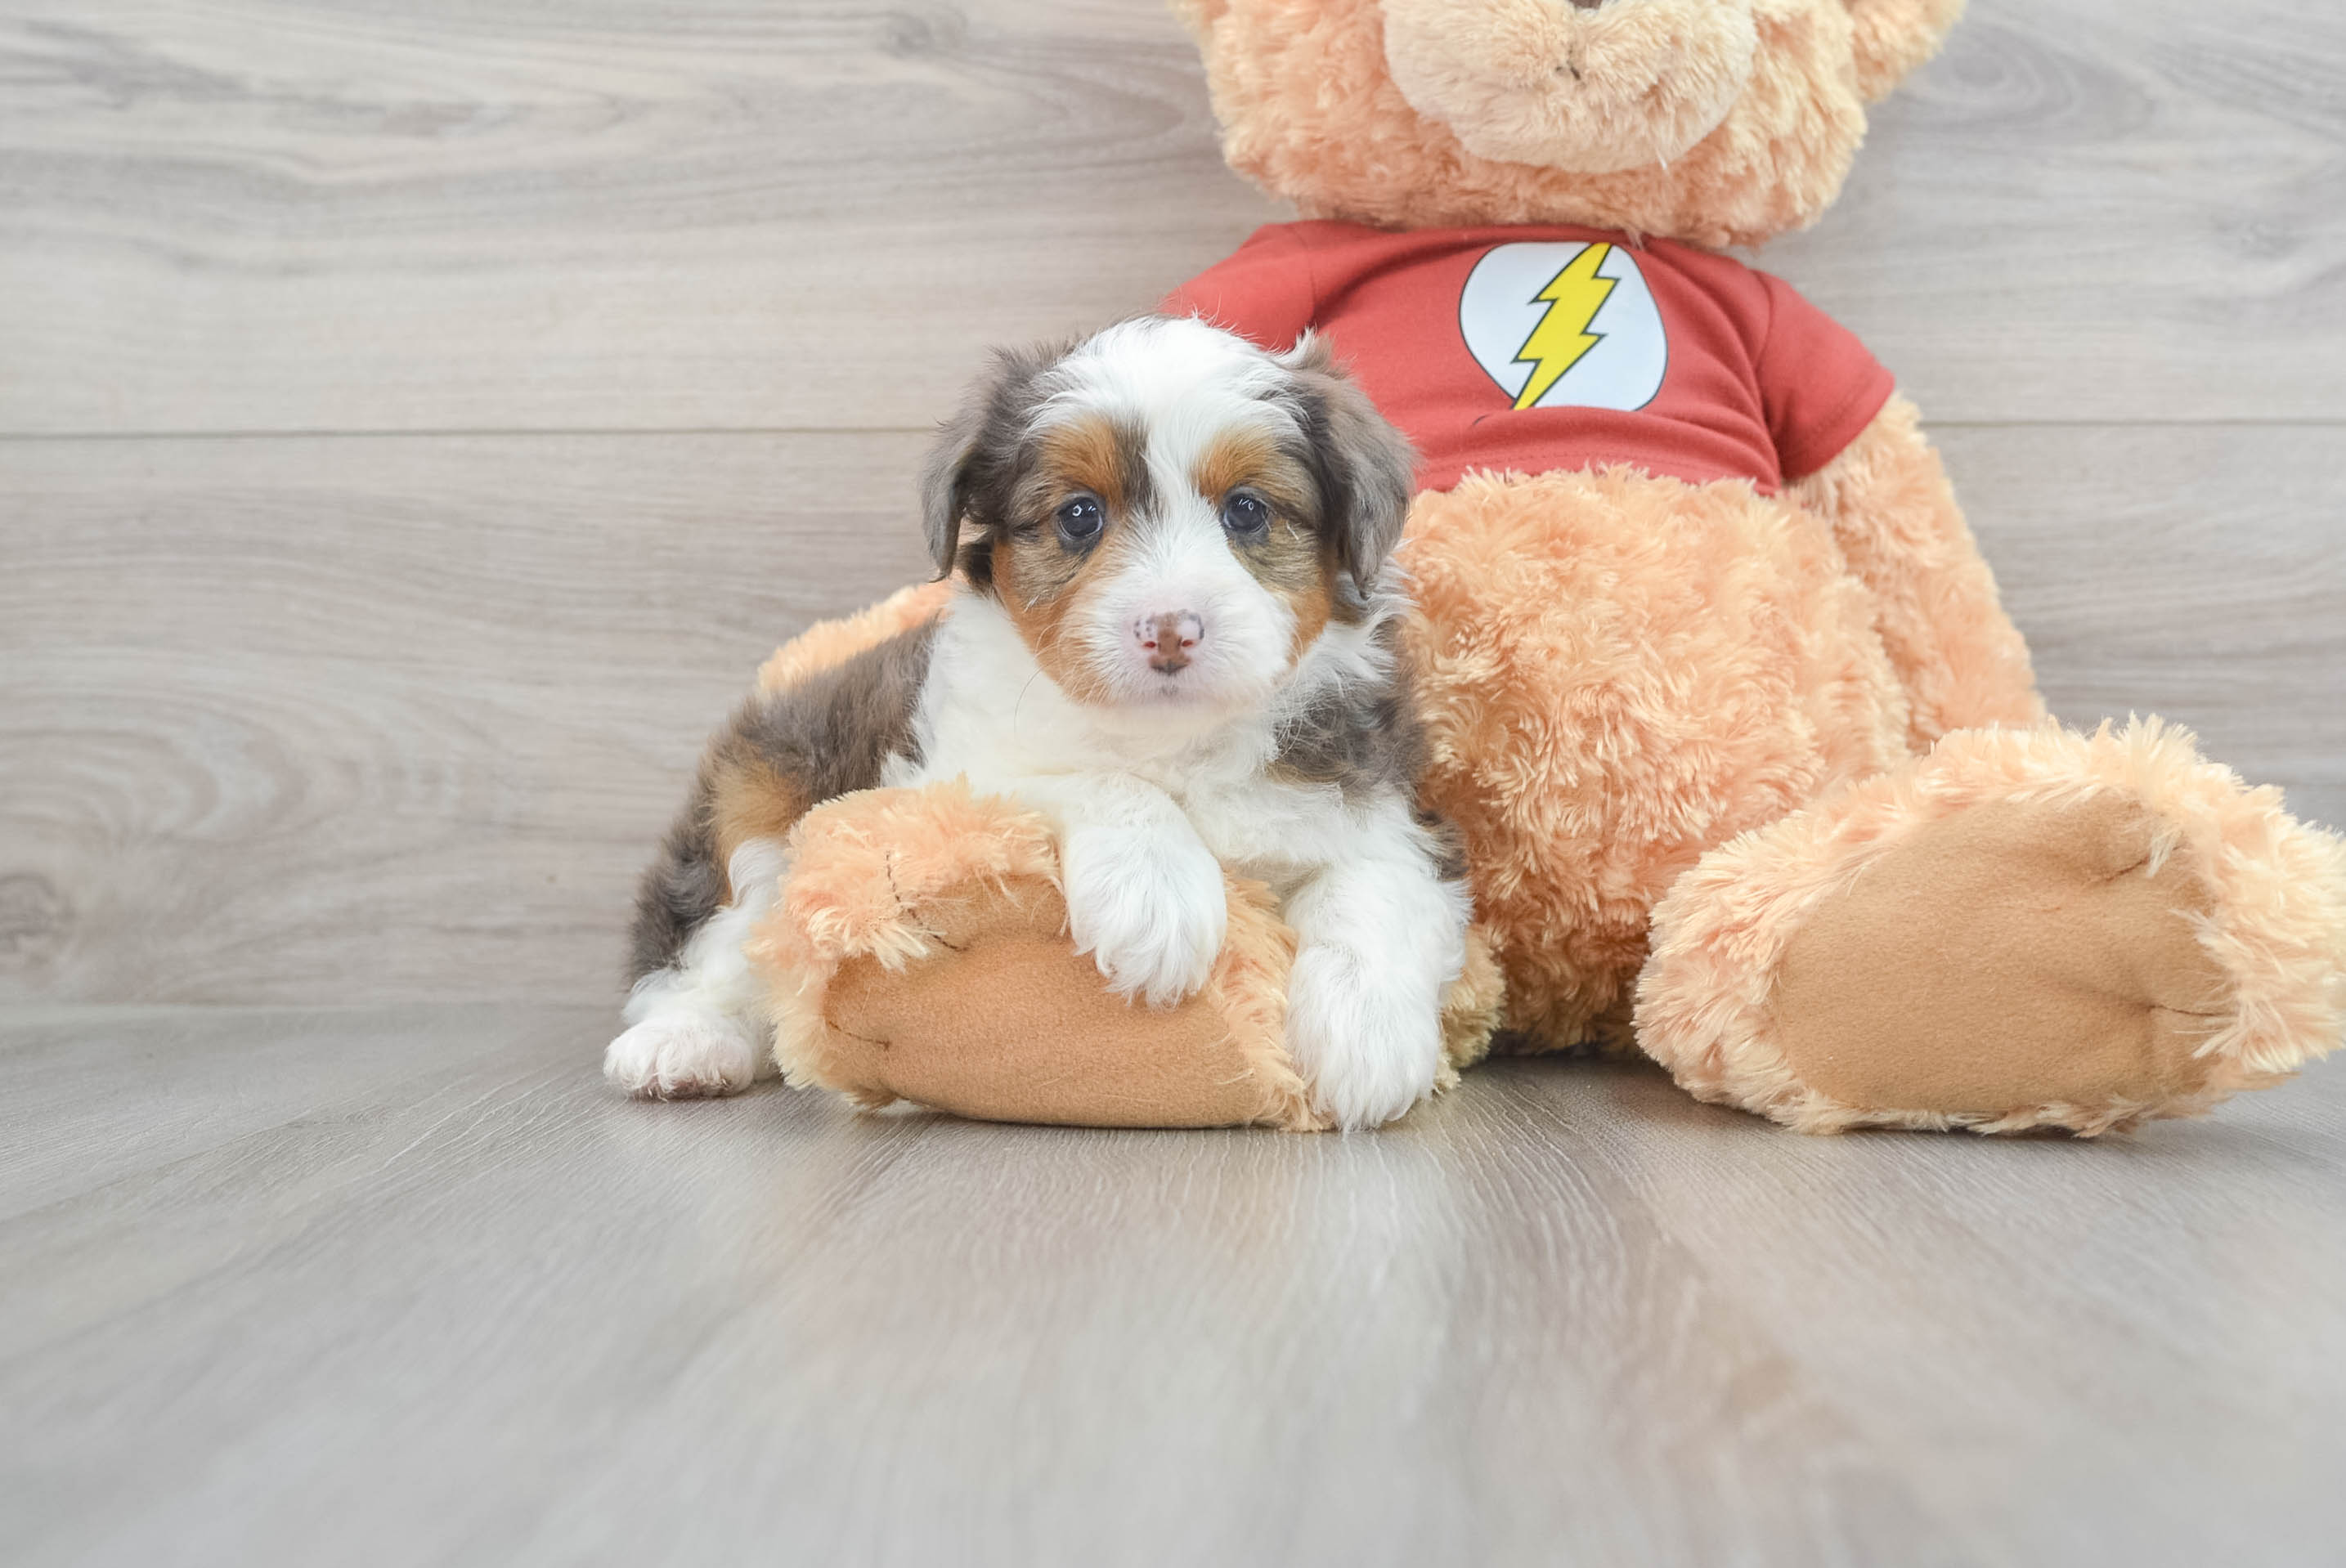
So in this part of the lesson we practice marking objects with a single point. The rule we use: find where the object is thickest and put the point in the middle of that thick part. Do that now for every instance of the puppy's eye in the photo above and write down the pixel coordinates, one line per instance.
(1081, 520)
(1246, 513)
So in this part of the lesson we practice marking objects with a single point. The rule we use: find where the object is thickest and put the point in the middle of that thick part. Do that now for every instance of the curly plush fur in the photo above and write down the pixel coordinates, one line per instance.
(1310, 110)
(1619, 672)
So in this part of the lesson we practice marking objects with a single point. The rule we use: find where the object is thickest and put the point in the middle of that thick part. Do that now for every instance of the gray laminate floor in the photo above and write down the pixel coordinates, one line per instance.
(407, 1286)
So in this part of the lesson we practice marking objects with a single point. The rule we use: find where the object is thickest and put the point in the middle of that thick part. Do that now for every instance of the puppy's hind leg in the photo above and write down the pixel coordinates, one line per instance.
(697, 1022)
(699, 1025)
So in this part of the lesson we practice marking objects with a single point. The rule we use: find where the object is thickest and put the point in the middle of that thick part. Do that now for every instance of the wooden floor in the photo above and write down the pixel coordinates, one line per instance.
(416, 420)
(404, 1285)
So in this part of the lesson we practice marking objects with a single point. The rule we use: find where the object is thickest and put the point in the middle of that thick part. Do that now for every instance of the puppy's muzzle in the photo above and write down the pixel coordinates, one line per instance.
(1170, 640)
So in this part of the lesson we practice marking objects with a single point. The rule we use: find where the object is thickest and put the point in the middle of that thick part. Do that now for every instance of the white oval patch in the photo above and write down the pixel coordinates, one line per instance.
(1565, 324)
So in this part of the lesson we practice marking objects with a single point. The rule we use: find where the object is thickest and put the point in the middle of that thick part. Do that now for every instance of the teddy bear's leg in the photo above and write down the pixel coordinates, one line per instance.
(2026, 928)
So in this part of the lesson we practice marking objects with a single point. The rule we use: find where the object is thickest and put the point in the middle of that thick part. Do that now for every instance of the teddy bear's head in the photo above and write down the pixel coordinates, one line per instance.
(1716, 121)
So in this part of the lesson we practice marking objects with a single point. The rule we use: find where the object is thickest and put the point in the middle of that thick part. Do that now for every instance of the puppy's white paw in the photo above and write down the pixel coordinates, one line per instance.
(1149, 907)
(684, 1056)
(1370, 1049)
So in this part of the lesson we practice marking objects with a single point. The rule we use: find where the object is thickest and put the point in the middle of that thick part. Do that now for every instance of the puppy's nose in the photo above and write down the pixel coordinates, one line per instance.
(1168, 639)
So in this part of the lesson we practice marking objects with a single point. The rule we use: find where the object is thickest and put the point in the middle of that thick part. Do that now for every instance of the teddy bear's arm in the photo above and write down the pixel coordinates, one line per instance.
(1894, 515)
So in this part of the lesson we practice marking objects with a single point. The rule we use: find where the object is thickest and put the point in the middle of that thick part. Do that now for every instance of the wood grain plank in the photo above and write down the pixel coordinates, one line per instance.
(2198, 574)
(304, 721)
(285, 214)
(2099, 210)
(2045, 1318)
(488, 1313)
(316, 721)
(70, 1131)
(279, 215)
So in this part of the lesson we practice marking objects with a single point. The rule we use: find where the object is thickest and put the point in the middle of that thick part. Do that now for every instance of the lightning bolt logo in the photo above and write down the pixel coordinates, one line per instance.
(1562, 339)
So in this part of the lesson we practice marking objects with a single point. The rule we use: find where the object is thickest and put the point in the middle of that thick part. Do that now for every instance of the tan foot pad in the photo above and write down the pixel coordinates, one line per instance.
(2013, 955)
(1016, 1026)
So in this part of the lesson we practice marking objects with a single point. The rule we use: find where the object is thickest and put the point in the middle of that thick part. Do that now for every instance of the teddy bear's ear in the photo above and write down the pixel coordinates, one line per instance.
(1200, 16)
(1893, 36)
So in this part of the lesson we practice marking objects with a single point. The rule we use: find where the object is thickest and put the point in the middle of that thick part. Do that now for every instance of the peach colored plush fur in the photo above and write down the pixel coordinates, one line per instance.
(1568, 626)
(1310, 111)
(827, 642)
(1893, 515)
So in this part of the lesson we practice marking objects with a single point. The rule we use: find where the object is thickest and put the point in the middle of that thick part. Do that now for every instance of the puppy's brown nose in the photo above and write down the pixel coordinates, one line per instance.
(1168, 639)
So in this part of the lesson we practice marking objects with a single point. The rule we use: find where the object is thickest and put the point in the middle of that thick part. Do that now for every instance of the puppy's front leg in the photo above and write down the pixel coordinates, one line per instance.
(1144, 894)
(1380, 937)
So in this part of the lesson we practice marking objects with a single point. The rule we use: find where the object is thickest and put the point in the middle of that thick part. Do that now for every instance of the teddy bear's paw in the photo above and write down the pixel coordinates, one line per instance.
(684, 1056)
(2026, 928)
(1149, 907)
(1368, 1055)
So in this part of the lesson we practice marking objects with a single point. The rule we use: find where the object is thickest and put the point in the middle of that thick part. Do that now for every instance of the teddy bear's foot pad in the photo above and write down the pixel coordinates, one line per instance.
(1017, 1027)
(2014, 954)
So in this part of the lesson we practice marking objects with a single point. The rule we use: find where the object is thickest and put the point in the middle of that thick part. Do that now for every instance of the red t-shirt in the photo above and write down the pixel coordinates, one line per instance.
(1533, 348)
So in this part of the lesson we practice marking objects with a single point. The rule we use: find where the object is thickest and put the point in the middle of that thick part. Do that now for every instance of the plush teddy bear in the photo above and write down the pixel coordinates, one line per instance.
(1750, 762)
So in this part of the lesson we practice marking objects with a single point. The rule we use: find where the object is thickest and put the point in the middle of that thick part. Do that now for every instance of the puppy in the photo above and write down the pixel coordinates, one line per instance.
(1175, 635)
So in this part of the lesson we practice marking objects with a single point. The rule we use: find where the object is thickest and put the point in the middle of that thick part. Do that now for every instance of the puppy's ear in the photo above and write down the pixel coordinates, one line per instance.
(974, 459)
(945, 480)
(1364, 467)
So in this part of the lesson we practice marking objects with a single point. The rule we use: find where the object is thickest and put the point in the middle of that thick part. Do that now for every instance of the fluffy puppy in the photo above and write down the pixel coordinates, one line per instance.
(1175, 635)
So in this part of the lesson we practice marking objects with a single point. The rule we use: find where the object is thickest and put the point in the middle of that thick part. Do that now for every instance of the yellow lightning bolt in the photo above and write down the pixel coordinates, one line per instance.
(1573, 296)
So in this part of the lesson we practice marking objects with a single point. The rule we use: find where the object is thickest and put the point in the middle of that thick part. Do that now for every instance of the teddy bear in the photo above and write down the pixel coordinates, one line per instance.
(1749, 762)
